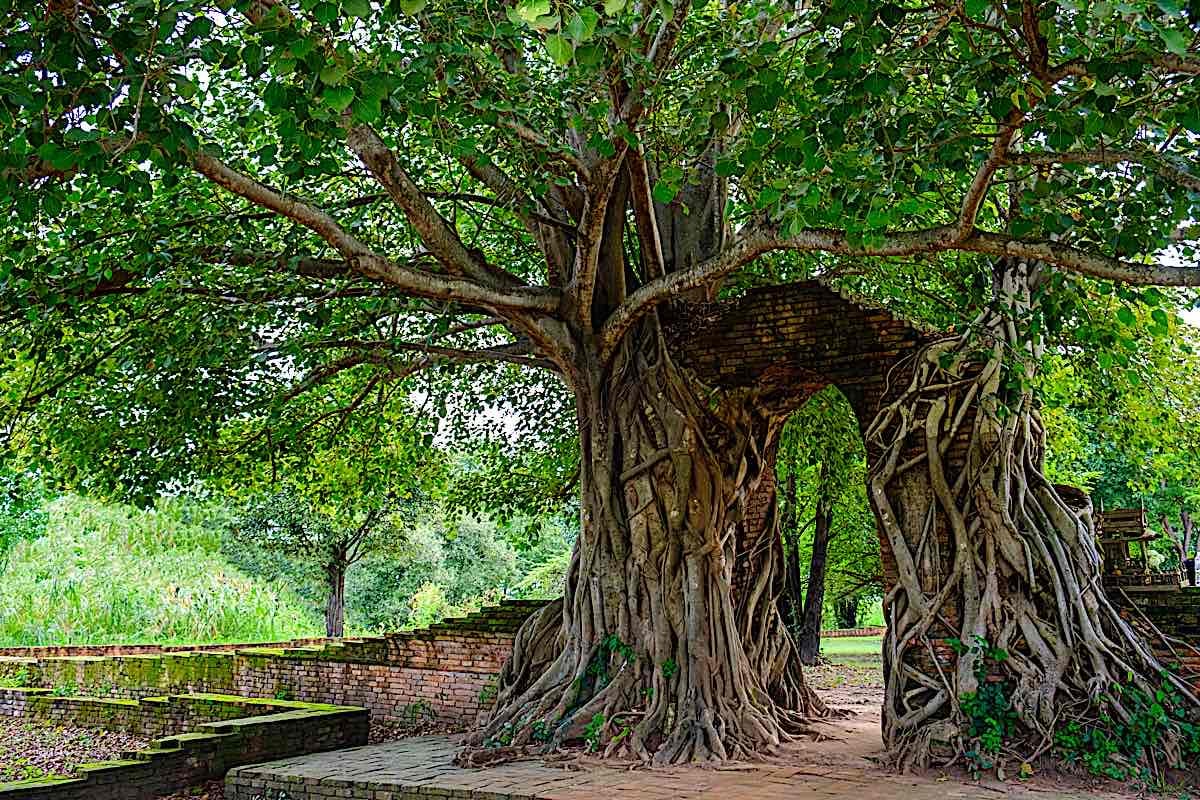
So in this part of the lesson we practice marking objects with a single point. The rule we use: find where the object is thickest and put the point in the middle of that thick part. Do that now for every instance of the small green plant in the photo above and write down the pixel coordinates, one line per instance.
(991, 719)
(16, 679)
(669, 668)
(1115, 748)
(488, 693)
(284, 693)
(610, 647)
(593, 731)
(64, 690)
(541, 731)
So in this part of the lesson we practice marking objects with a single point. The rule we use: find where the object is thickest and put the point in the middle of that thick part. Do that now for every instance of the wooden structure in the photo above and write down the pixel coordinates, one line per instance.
(1118, 530)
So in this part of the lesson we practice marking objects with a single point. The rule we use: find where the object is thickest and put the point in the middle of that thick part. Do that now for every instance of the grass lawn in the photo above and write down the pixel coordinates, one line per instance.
(852, 648)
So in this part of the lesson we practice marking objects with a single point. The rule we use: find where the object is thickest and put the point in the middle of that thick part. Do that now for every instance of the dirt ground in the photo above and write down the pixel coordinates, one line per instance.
(29, 751)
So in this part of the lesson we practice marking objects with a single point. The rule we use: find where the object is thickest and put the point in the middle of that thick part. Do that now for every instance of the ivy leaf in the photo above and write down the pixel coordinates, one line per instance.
(560, 49)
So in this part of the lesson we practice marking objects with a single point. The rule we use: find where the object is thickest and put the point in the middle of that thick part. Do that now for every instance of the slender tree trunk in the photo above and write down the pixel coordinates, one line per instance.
(791, 602)
(809, 640)
(987, 550)
(648, 654)
(335, 604)
(846, 611)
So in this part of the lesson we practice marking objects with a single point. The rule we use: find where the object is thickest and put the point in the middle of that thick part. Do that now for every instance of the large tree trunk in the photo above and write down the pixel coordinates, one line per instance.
(809, 640)
(648, 655)
(987, 550)
(335, 603)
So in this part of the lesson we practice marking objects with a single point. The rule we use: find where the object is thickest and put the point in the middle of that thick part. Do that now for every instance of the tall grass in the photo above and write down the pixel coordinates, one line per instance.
(106, 573)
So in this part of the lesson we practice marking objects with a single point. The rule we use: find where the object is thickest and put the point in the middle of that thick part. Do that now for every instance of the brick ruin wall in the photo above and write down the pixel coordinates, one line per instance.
(203, 750)
(808, 337)
(447, 671)
(1176, 614)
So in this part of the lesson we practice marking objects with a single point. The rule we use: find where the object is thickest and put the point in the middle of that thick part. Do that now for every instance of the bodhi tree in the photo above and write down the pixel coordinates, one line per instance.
(820, 465)
(220, 207)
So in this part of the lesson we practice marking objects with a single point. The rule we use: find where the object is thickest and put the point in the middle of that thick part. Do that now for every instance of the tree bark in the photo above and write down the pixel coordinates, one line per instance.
(648, 655)
(791, 603)
(987, 550)
(809, 640)
(335, 604)
(846, 611)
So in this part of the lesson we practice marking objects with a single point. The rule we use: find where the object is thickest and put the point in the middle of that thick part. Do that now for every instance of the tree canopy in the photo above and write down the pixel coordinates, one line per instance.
(217, 207)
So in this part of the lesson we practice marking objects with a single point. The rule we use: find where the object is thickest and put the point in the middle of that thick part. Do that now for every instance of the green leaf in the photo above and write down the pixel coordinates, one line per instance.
(1176, 40)
(667, 9)
(582, 25)
(560, 49)
(357, 8)
(338, 98)
(325, 13)
(1125, 315)
(664, 192)
(530, 10)
(768, 196)
(976, 9)
(413, 7)
(333, 74)
(613, 6)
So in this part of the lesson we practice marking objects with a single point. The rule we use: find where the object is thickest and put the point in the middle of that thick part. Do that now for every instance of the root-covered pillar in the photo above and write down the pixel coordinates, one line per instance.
(649, 655)
(997, 592)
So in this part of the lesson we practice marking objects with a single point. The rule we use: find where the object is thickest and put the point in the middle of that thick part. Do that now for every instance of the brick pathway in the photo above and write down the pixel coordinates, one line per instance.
(420, 768)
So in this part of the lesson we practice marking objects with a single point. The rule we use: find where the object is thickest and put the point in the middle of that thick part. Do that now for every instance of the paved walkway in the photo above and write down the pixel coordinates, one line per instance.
(421, 768)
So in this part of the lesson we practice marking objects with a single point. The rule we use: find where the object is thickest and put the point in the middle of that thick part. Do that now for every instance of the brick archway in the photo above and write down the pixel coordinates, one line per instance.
(809, 337)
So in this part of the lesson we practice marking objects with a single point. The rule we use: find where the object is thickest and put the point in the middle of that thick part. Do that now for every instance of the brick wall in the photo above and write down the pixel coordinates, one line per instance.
(174, 763)
(809, 337)
(448, 669)
(1177, 615)
(150, 717)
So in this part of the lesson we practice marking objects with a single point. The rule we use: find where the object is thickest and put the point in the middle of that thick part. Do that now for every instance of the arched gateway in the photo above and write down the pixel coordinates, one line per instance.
(931, 483)
(798, 340)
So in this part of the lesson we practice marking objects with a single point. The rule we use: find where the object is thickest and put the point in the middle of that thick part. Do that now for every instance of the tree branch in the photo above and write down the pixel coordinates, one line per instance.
(755, 243)
(1152, 161)
(362, 260)
(437, 234)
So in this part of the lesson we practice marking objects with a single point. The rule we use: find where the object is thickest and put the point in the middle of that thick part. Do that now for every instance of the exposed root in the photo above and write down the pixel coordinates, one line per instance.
(648, 658)
(988, 550)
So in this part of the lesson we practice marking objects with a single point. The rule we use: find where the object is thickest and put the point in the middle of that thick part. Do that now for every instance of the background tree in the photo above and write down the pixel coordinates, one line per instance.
(215, 210)
(23, 515)
(822, 463)
(284, 523)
